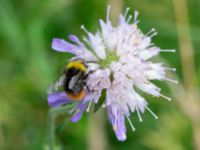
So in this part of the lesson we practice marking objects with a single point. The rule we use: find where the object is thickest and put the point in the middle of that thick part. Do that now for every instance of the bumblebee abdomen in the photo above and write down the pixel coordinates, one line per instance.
(79, 96)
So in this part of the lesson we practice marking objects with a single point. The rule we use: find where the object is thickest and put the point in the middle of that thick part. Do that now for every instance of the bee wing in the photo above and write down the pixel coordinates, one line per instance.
(74, 80)
(57, 85)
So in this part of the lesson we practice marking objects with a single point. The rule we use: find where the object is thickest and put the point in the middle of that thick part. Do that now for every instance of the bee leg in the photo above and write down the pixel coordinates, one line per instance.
(88, 89)
(92, 71)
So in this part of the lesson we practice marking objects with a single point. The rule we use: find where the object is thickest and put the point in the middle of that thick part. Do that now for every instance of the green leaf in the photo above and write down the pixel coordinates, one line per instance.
(100, 102)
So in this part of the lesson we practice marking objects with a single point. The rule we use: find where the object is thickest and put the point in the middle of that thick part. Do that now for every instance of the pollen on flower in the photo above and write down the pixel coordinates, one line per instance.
(119, 61)
(114, 128)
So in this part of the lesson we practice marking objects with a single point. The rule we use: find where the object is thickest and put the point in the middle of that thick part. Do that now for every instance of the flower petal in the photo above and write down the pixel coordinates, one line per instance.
(118, 123)
(64, 46)
(75, 39)
(58, 98)
(80, 108)
(97, 45)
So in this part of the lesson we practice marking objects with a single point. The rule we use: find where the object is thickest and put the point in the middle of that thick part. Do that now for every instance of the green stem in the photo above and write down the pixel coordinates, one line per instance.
(51, 130)
(53, 112)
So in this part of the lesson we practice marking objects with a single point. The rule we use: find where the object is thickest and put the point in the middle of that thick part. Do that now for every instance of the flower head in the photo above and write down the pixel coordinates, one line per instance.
(119, 61)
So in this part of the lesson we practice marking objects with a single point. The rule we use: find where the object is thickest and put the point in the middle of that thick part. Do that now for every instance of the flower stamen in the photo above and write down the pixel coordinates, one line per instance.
(89, 105)
(73, 109)
(154, 34)
(131, 124)
(126, 11)
(151, 31)
(136, 14)
(151, 112)
(165, 97)
(168, 50)
(84, 29)
(138, 113)
(170, 69)
(170, 80)
(129, 18)
(103, 105)
(108, 13)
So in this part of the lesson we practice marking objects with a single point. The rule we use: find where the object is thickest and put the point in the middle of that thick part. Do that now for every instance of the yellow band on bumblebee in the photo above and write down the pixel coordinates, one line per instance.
(77, 65)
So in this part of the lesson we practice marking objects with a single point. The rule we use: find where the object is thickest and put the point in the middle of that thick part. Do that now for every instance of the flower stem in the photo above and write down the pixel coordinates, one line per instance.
(53, 112)
(51, 130)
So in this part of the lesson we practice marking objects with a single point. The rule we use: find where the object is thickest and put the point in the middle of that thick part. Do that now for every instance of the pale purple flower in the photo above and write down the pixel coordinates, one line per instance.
(120, 60)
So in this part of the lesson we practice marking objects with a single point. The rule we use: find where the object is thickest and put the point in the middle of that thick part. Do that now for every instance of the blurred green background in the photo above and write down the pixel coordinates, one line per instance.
(28, 65)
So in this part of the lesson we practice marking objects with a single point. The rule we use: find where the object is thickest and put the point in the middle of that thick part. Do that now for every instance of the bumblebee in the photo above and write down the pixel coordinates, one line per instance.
(72, 80)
